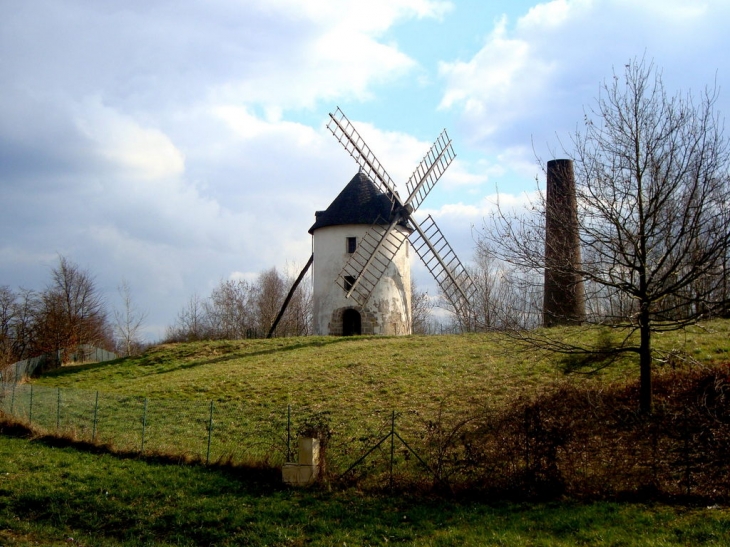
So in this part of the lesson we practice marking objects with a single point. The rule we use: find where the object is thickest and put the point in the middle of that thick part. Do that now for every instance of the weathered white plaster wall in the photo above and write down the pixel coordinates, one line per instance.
(390, 303)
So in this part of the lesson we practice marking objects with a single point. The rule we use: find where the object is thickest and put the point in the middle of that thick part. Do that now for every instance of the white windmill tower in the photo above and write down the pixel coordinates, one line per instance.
(338, 233)
(361, 275)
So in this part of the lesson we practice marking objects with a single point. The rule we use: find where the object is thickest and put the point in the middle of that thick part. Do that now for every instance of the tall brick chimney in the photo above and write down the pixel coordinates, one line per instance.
(564, 300)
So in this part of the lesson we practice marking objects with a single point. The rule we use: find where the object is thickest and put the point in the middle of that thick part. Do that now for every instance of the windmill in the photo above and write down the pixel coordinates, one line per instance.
(378, 255)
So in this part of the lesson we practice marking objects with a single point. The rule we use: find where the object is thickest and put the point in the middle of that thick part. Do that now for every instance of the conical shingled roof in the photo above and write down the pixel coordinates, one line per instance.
(360, 202)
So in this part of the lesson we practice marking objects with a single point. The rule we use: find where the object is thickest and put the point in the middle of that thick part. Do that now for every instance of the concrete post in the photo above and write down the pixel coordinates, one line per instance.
(307, 469)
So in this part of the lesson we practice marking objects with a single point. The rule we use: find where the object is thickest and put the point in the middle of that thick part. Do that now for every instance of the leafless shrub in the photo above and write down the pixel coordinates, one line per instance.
(594, 442)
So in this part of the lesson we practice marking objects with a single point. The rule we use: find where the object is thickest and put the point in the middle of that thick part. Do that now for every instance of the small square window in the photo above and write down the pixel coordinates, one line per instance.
(351, 244)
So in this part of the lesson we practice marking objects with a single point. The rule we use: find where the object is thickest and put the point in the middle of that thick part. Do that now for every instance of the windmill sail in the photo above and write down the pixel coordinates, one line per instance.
(429, 171)
(351, 140)
(446, 268)
(366, 266)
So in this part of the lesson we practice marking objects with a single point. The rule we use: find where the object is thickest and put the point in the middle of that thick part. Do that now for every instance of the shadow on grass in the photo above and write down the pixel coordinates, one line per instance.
(258, 474)
(67, 370)
(269, 351)
(150, 359)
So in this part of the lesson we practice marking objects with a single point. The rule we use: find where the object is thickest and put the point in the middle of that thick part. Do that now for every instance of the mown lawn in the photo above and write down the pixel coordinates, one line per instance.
(48, 495)
(62, 496)
(166, 400)
(453, 371)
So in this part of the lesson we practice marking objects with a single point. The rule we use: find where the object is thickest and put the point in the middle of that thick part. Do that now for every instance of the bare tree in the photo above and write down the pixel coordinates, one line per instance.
(271, 289)
(230, 310)
(421, 310)
(192, 323)
(26, 307)
(506, 297)
(654, 212)
(128, 321)
(71, 312)
(7, 316)
(298, 316)
(238, 309)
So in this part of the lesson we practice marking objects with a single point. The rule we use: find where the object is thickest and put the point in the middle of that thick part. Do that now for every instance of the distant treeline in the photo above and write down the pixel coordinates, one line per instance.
(67, 315)
(239, 309)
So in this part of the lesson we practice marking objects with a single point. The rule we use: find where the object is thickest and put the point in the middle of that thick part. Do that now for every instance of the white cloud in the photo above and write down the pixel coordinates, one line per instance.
(524, 91)
(248, 126)
(338, 53)
(473, 213)
(551, 14)
(497, 84)
(373, 17)
(139, 152)
(461, 175)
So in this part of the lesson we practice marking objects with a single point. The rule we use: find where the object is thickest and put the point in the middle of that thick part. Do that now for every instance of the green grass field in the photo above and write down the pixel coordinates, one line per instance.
(49, 494)
(358, 381)
(362, 373)
(161, 401)
(60, 496)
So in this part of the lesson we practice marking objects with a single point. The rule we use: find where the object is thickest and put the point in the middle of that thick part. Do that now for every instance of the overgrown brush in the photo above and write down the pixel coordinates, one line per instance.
(592, 442)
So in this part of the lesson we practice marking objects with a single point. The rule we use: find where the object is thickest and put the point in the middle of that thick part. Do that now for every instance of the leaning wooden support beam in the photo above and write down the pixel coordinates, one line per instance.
(288, 296)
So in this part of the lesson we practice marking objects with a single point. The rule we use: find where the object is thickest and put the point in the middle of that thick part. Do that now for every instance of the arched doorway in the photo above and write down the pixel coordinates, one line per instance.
(351, 323)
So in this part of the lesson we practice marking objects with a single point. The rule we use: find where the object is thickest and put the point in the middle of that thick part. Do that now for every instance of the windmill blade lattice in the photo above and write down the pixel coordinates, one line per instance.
(378, 247)
(351, 140)
(368, 263)
(446, 268)
(429, 171)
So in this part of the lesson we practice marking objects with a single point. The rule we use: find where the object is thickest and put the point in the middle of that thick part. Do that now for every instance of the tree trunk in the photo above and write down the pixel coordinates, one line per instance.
(645, 394)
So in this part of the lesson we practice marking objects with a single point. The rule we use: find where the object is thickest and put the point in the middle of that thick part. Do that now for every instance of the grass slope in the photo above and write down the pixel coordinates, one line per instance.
(363, 372)
(50, 494)
(349, 385)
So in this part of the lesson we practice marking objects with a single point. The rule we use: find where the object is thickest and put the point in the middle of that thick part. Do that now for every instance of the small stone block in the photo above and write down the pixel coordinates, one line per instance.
(308, 451)
(299, 475)
(307, 473)
(290, 473)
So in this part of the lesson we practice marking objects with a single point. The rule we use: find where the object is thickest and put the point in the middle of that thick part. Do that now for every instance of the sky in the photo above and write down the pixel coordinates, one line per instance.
(174, 144)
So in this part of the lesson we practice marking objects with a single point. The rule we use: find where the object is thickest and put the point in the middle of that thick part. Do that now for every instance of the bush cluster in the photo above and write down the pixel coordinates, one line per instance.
(593, 442)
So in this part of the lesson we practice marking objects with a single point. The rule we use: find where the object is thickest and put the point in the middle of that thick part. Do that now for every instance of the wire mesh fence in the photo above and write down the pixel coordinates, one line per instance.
(363, 448)
(21, 370)
(571, 440)
(203, 430)
(26, 368)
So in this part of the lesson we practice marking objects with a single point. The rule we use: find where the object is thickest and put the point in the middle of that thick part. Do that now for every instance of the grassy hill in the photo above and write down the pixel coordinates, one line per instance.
(457, 371)
(52, 492)
(245, 401)
(55, 495)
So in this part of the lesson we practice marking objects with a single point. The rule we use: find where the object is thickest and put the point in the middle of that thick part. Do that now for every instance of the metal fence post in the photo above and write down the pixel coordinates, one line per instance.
(96, 411)
(210, 433)
(144, 424)
(392, 446)
(288, 433)
(30, 410)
